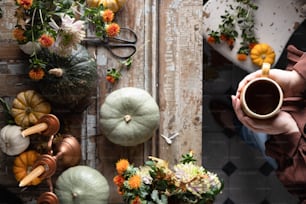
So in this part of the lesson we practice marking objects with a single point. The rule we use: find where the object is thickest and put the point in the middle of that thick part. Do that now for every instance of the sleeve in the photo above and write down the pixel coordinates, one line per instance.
(282, 147)
(296, 60)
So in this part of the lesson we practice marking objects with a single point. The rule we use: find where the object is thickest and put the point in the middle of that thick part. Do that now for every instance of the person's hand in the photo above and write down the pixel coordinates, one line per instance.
(291, 82)
(282, 123)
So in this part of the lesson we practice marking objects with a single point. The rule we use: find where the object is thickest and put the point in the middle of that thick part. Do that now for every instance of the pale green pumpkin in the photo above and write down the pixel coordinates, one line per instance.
(82, 185)
(129, 116)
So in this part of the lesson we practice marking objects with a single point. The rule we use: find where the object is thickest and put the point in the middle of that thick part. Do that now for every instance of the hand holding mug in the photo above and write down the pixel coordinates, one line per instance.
(280, 124)
(261, 97)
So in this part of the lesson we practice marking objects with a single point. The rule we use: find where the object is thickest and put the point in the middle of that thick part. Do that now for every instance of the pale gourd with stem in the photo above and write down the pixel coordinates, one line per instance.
(129, 116)
(82, 184)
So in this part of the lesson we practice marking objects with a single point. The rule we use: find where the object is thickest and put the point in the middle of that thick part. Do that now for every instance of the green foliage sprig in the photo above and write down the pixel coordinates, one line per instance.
(240, 16)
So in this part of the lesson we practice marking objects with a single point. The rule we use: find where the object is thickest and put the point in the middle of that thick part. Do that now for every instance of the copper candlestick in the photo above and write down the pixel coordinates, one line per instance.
(47, 125)
(68, 153)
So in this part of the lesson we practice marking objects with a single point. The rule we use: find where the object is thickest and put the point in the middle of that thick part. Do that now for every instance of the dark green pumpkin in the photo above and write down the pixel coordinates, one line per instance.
(78, 79)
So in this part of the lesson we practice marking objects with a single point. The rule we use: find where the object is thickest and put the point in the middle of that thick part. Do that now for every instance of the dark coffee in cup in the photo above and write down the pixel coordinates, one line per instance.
(262, 97)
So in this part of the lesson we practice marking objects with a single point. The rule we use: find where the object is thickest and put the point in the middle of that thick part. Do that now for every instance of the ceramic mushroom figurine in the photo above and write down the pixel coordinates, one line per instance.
(47, 125)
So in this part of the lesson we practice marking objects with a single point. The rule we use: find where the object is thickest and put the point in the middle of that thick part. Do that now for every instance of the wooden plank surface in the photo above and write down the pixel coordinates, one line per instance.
(168, 64)
(180, 77)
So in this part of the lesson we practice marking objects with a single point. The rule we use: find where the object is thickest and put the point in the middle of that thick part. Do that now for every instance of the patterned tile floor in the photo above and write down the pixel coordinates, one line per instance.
(248, 178)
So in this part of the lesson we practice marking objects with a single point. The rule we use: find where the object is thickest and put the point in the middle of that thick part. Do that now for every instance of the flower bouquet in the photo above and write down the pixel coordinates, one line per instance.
(51, 33)
(155, 182)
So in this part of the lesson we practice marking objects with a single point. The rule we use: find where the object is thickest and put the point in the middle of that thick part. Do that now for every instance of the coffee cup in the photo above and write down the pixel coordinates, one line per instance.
(262, 97)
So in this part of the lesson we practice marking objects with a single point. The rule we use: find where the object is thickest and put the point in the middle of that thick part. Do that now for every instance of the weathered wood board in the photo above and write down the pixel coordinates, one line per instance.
(168, 64)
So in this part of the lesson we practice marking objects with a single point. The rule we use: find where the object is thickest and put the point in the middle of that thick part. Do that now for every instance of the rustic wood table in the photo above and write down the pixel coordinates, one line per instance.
(168, 64)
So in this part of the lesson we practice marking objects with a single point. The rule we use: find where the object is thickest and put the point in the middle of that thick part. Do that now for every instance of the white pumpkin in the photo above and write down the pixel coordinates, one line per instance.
(11, 141)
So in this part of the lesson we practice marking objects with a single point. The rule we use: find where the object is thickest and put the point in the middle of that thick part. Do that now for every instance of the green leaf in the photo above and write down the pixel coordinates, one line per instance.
(7, 112)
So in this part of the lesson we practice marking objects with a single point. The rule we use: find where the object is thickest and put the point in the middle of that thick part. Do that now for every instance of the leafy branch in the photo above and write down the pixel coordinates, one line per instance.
(240, 16)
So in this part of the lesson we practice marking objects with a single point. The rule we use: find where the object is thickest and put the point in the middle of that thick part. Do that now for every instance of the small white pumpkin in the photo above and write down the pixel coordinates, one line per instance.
(11, 141)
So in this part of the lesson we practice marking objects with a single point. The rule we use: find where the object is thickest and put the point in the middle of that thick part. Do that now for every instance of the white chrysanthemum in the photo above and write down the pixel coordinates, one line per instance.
(214, 181)
(187, 172)
(196, 179)
(69, 35)
(145, 175)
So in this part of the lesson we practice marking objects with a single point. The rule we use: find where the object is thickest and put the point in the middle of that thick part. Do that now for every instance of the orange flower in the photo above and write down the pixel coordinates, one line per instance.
(112, 29)
(211, 39)
(251, 45)
(46, 40)
(241, 56)
(111, 79)
(230, 42)
(36, 74)
(223, 37)
(18, 34)
(122, 165)
(107, 15)
(118, 180)
(136, 200)
(26, 4)
(134, 181)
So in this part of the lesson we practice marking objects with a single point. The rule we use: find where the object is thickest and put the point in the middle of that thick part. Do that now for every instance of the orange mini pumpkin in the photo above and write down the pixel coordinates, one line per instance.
(262, 53)
(23, 165)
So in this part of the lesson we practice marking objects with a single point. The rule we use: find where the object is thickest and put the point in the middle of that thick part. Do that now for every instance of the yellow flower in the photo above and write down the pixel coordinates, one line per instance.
(134, 181)
(112, 29)
(122, 165)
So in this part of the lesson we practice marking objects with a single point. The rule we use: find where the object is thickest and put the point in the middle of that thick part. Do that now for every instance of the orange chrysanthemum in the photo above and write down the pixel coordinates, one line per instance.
(46, 40)
(122, 165)
(134, 182)
(36, 74)
(18, 34)
(107, 15)
(26, 4)
(118, 180)
(112, 29)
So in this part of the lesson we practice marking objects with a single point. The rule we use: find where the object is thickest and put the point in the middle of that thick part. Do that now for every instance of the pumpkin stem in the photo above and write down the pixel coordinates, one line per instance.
(58, 72)
(74, 195)
(127, 118)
